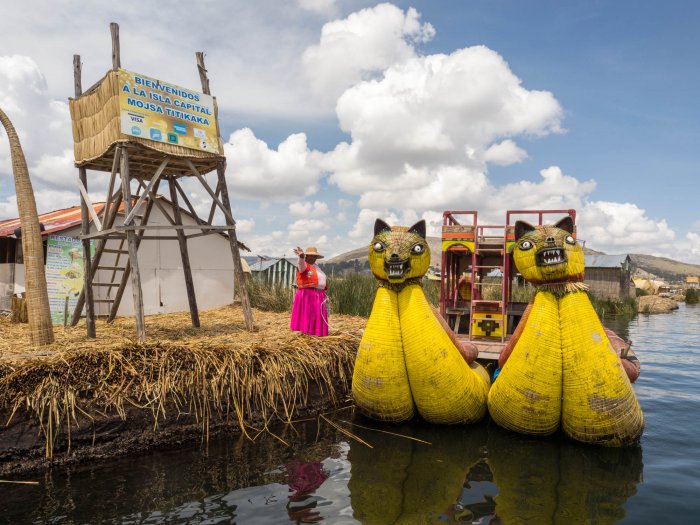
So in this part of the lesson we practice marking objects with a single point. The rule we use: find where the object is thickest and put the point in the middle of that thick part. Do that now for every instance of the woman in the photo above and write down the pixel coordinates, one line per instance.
(309, 314)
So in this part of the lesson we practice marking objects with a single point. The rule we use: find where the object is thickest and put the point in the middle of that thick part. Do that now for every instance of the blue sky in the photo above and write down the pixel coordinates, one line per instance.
(338, 112)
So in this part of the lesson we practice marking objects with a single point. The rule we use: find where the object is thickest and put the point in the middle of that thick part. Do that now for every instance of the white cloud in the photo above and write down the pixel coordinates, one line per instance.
(505, 153)
(362, 45)
(427, 130)
(309, 209)
(257, 172)
(46, 200)
(323, 7)
(308, 226)
(245, 225)
(615, 227)
(42, 123)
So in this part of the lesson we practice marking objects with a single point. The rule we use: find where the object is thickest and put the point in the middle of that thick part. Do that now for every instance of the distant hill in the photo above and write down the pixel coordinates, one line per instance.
(662, 267)
(667, 269)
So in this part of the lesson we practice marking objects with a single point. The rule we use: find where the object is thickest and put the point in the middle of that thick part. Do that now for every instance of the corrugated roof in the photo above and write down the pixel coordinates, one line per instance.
(261, 266)
(54, 221)
(605, 261)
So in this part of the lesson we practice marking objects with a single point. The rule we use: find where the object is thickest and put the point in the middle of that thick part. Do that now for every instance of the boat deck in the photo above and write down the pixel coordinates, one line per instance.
(489, 347)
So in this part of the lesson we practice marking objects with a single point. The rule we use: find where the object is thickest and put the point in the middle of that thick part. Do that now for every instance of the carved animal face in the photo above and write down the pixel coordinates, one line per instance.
(546, 254)
(397, 253)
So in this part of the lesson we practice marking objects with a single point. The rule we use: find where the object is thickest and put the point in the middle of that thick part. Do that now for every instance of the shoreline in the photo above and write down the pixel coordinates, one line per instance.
(82, 400)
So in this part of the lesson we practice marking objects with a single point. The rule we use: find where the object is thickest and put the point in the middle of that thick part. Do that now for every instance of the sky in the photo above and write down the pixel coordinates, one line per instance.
(337, 112)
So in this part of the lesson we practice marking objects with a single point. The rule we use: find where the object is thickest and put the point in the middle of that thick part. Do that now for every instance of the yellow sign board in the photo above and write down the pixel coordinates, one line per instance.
(154, 110)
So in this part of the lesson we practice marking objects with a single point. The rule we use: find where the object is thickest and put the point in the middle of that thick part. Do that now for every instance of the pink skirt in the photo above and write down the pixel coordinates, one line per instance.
(309, 314)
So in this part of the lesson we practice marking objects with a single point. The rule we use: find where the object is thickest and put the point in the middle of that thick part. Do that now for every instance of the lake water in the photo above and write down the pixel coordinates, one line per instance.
(476, 474)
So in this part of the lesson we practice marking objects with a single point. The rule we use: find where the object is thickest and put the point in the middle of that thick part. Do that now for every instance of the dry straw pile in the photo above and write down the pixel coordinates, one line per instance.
(218, 371)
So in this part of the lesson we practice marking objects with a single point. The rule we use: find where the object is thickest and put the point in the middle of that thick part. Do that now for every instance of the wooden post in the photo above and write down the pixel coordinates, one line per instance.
(116, 53)
(133, 249)
(85, 223)
(233, 241)
(184, 255)
(235, 252)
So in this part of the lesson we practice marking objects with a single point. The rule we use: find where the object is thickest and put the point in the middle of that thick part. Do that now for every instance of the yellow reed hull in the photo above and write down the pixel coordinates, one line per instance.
(564, 371)
(600, 405)
(380, 387)
(445, 388)
(526, 397)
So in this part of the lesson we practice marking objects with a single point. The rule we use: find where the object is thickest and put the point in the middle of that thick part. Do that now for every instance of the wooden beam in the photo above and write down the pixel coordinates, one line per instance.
(112, 179)
(85, 221)
(140, 227)
(193, 212)
(212, 210)
(133, 251)
(202, 73)
(184, 255)
(159, 204)
(77, 76)
(90, 206)
(203, 181)
(116, 53)
(241, 284)
(144, 194)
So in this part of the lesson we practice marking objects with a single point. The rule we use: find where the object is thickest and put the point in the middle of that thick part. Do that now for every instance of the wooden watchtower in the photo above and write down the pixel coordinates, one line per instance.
(149, 133)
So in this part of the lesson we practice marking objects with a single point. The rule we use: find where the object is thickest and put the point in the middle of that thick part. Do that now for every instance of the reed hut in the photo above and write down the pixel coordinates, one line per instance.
(610, 276)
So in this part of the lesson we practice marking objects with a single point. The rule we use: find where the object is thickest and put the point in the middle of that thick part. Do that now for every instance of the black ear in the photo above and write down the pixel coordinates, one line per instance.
(418, 228)
(521, 228)
(567, 224)
(380, 226)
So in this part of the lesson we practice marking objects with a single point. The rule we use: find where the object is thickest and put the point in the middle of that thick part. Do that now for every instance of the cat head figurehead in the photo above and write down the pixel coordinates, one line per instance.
(548, 254)
(398, 253)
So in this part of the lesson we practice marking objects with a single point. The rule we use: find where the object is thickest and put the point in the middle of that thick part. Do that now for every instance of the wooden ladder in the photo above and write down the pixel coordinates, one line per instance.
(121, 267)
(488, 246)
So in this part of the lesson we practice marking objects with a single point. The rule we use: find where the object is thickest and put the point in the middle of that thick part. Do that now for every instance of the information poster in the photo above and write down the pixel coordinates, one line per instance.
(64, 274)
(163, 112)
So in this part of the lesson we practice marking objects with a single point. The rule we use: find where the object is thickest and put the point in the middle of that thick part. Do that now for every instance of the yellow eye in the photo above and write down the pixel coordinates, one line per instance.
(378, 247)
(417, 249)
(570, 239)
(526, 245)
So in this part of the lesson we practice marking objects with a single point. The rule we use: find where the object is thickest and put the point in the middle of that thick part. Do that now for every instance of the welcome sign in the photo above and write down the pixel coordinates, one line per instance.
(162, 112)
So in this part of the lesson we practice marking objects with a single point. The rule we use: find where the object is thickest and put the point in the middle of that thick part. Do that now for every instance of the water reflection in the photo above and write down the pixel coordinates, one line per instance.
(477, 474)
(402, 481)
(488, 476)
(558, 481)
(234, 477)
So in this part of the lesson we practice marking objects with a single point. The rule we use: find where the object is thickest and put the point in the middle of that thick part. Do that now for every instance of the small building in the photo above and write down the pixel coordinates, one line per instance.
(162, 277)
(692, 282)
(609, 276)
(279, 271)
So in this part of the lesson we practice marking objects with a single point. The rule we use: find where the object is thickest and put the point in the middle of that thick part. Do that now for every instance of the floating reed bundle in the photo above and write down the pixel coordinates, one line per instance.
(220, 371)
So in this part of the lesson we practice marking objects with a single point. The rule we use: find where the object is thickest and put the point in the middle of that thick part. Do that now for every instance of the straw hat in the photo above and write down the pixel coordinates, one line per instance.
(311, 250)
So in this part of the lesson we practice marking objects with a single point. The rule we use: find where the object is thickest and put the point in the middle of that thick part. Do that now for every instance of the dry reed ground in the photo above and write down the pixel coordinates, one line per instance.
(217, 374)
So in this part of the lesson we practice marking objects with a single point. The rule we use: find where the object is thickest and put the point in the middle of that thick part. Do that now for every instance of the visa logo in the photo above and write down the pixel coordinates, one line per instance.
(136, 119)
(156, 134)
(180, 128)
